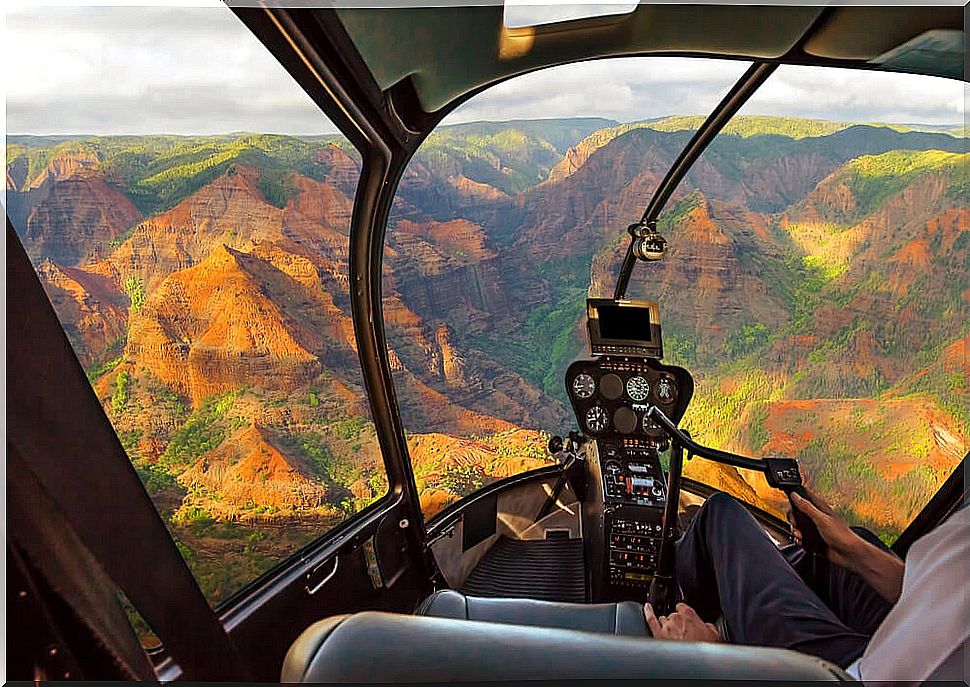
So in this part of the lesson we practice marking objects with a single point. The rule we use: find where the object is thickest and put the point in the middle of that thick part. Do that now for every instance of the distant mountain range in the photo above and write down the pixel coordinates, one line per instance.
(816, 287)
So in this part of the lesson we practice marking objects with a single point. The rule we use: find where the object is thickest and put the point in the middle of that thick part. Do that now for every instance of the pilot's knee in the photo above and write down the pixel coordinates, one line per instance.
(722, 504)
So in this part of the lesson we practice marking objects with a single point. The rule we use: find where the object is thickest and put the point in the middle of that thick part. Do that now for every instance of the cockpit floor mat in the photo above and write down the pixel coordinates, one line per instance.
(545, 569)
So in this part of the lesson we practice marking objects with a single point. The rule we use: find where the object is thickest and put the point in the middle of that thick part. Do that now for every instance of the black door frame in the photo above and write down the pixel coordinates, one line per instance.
(56, 423)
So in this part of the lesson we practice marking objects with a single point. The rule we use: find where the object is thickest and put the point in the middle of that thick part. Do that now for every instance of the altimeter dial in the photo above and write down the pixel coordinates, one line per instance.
(638, 388)
(596, 419)
(584, 386)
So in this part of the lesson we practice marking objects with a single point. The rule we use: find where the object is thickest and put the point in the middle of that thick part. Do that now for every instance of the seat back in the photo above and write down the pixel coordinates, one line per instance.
(383, 647)
(621, 618)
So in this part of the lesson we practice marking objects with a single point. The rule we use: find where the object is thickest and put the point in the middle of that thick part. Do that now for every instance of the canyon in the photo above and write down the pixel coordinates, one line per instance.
(816, 288)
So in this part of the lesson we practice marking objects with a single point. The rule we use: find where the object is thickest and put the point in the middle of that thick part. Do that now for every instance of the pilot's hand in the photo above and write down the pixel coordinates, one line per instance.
(843, 543)
(683, 624)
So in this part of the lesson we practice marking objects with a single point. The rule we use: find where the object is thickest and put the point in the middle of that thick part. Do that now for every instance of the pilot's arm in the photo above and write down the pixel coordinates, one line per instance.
(882, 569)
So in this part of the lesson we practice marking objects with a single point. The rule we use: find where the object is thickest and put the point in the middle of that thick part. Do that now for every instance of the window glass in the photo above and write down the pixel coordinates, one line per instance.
(816, 287)
(524, 13)
(497, 221)
(200, 274)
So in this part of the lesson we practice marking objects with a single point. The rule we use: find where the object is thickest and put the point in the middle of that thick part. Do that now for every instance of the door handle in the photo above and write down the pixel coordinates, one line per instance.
(319, 585)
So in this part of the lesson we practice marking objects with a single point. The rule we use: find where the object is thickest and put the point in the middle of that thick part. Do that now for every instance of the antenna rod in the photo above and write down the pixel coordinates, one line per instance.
(750, 82)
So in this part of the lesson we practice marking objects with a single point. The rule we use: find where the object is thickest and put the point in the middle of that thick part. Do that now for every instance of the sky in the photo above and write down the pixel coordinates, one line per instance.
(193, 70)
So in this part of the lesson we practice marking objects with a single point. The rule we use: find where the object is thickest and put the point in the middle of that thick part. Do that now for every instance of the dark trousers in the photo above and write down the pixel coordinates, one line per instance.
(727, 565)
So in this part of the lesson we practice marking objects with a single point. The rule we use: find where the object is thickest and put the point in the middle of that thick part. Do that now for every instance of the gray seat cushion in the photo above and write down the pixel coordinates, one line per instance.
(384, 647)
(623, 618)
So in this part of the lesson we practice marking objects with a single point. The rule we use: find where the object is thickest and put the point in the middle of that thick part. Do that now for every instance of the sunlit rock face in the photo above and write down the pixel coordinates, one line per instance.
(816, 288)
(71, 212)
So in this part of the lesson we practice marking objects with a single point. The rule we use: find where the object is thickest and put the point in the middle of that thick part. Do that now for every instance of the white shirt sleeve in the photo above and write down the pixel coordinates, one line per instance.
(931, 620)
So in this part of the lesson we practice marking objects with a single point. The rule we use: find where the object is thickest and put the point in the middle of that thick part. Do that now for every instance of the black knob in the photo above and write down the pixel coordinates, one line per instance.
(555, 445)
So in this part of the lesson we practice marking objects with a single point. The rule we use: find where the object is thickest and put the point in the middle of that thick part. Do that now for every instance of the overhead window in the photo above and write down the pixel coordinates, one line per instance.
(524, 13)
(188, 212)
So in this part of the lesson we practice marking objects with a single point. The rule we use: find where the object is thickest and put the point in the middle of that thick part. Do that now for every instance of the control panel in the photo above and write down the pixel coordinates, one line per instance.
(611, 396)
(632, 474)
(633, 547)
(634, 495)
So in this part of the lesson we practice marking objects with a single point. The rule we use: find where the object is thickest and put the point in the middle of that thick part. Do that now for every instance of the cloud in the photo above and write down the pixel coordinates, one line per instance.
(629, 89)
(130, 70)
(855, 95)
(624, 89)
(114, 70)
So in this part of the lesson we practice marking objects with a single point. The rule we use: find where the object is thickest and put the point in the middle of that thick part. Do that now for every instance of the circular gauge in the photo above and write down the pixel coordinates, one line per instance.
(611, 386)
(638, 388)
(583, 385)
(625, 420)
(596, 419)
(651, 428)
(666, 390)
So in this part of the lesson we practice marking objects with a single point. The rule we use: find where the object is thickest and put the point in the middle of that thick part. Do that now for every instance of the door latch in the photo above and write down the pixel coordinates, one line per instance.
(313, 588)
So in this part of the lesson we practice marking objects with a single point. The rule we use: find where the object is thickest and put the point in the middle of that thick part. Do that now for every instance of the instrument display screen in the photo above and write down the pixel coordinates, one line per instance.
(639, 577)
(624, 327)
(631, 322)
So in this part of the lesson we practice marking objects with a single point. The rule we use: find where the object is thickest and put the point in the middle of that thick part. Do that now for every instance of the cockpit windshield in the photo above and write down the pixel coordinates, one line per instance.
(816, 269)
(495, 226)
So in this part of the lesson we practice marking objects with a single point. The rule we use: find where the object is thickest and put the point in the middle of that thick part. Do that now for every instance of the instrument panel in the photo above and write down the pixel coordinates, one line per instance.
(610, 396)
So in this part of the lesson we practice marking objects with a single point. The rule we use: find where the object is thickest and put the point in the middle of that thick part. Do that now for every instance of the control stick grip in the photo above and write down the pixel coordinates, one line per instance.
(812, 540)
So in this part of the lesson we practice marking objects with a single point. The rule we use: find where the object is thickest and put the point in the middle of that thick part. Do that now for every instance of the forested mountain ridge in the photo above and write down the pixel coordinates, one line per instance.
(816, 287)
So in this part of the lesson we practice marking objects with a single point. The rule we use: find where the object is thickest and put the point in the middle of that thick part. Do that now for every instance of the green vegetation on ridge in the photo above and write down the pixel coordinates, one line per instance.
(874, 178)
(156, 172)
(767, 318)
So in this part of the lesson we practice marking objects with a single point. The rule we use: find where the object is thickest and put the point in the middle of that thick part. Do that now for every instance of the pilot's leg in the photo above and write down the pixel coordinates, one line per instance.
(727, 564)
(849, 596)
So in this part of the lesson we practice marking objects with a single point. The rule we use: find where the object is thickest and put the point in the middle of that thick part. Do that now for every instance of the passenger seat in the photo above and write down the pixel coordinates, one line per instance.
(371, 647)
(624, 618)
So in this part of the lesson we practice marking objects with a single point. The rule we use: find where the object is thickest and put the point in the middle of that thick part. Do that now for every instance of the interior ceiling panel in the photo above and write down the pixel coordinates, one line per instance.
(863, 33)
(451, 51)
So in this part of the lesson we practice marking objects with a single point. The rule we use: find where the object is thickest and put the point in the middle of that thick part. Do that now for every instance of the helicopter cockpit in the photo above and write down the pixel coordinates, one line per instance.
(396, 398)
